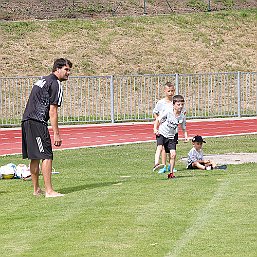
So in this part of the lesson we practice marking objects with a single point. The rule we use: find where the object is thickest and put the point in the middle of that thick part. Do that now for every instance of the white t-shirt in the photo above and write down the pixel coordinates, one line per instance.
(169, 122)
(161, 106)
(194, 156)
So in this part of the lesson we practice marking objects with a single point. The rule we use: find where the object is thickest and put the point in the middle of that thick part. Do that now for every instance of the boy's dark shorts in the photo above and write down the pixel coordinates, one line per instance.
(168, 143)
(190, 167)
(36, 141)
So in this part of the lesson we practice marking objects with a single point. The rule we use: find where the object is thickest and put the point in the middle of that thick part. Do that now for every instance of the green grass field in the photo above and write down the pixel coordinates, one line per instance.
(116, 206)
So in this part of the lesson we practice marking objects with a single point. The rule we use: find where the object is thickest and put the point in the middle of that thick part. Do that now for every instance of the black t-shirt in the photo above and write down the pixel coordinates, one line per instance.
(46, 91)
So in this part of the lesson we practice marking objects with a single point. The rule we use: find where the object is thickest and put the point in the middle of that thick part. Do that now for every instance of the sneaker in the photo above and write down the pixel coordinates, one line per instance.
(174, 169)
(163, 170)
(221, 167)
(158, 166)
(171, 175)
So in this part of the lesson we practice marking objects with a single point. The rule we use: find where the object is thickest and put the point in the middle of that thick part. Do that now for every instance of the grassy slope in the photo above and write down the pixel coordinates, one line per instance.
(47, 9)
(200, 42)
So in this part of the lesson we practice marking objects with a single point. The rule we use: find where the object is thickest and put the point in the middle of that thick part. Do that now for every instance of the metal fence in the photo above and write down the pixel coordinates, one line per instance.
(99, 99)
(48, 9)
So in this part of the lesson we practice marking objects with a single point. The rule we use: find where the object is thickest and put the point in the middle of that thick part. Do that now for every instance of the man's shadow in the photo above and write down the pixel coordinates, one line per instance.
(68, 190)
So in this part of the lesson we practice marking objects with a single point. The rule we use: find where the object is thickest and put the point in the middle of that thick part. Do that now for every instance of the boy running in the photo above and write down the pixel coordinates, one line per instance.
(166, 130)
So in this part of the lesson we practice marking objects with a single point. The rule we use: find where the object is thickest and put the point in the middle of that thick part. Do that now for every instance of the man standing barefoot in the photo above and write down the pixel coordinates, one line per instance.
(44, 100)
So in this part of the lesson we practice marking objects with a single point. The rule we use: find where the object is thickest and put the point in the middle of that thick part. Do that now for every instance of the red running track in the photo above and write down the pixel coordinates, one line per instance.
(116, 134)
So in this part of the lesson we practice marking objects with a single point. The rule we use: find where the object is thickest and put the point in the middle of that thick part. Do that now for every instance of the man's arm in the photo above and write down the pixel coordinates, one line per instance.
(53, 114)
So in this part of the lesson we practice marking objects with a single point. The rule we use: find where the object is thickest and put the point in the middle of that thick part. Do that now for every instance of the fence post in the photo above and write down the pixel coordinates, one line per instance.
(112, 98)
(209, 6)
(238, 94)
(1, 110)
(145, 12)
(177, 83)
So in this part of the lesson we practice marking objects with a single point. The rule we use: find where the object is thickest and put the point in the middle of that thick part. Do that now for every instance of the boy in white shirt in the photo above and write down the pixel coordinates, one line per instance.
(161, 106)
(195, 158)
(166, 130)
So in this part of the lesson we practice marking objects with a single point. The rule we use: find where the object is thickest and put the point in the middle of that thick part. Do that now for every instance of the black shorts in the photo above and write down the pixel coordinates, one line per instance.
(36, 141)
(168, 143)
(190, 167)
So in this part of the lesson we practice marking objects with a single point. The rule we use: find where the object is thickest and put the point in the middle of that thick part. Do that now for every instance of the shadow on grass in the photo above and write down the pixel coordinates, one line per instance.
(195, 174)
(68, 190)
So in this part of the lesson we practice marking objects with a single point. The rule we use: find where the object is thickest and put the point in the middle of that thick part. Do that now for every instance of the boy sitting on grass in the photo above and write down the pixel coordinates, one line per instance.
(195, 158)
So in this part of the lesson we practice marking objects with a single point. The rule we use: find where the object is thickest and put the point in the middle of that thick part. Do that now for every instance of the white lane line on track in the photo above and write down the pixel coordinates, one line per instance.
(203, 216)
(125, 143)
(13, 143)
(138, 131)
(119, 143)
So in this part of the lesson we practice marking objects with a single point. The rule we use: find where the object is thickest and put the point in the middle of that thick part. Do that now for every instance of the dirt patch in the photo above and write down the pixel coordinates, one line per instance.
(230, 158)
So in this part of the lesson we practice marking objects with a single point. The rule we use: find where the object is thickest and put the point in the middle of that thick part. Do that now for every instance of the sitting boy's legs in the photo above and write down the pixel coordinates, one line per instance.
(203, 166)
(198, 165)
(213, 164)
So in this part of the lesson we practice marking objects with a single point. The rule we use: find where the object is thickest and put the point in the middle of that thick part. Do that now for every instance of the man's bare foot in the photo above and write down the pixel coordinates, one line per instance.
(54, 194)
(38, 192)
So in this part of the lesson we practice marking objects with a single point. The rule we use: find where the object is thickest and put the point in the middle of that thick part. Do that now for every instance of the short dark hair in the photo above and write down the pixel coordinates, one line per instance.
(178, 98)
(169, 84)
(60, 62)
